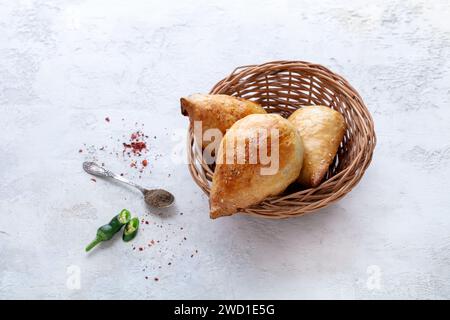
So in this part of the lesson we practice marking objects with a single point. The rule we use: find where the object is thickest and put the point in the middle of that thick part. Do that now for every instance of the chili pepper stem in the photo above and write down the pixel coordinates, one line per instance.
(93, 244)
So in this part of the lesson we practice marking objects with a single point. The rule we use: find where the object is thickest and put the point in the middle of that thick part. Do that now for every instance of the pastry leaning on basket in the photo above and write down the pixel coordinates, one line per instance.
(257, 154)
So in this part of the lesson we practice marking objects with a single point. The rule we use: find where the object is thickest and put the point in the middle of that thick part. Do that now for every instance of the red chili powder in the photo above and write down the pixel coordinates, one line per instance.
(136, 147)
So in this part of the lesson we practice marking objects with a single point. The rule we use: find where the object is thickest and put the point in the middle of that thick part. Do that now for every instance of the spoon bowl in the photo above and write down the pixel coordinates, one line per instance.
(158, 198)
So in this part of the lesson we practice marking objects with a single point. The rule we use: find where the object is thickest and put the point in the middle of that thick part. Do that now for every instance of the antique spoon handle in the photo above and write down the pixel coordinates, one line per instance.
(96, 170)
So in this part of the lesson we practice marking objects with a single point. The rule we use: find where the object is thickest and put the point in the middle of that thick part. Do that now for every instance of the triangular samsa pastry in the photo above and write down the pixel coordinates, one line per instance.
(322, 130)
(259, 156)
(217, 111)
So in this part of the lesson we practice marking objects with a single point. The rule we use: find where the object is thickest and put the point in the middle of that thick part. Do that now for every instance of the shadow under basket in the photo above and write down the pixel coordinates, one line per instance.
(283, 87)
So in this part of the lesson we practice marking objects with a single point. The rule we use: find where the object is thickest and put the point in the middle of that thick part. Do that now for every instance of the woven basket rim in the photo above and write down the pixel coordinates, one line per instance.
(330, 190)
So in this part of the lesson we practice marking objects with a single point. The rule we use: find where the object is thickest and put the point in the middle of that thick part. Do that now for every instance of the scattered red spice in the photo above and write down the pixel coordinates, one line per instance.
(144, 163)
(107, 119)
(138, 146)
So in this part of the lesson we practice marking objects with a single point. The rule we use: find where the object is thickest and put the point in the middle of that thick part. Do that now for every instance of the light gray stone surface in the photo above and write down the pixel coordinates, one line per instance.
(66, 65)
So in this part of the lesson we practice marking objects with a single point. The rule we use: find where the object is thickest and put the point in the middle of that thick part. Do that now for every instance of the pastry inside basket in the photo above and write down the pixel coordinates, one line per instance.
(216, 111)
(322, 130)
(244, 176)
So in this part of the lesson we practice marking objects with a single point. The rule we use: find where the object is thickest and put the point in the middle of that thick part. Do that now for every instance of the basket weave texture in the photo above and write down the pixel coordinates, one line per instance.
(283, 87)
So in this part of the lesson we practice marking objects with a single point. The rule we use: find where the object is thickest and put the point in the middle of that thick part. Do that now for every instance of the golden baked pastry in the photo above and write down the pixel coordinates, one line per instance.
(217, 111)
(322, 130)
(243, 175)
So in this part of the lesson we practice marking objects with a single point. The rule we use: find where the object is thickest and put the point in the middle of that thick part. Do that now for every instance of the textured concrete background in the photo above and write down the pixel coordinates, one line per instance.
(66, 65)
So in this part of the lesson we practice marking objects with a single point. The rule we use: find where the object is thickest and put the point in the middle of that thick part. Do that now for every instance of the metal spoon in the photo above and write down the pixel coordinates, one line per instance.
(156, 197)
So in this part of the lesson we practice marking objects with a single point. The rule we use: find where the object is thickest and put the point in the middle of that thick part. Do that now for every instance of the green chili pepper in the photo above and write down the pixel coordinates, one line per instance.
(120, 220)
(104, 233)
(107, 231)
(130, 230)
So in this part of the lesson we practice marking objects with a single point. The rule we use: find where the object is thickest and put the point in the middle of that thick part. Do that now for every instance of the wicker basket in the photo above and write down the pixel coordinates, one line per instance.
(282, 87)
